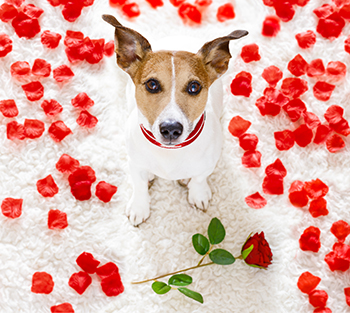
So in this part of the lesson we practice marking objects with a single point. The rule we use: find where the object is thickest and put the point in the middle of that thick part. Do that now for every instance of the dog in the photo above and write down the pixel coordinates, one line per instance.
(175, 99)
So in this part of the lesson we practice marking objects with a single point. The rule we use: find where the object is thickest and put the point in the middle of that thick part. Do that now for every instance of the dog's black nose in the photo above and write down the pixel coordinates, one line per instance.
(170, 129)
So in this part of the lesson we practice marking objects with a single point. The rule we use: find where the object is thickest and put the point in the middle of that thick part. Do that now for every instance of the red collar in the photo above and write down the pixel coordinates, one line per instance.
(192, 137)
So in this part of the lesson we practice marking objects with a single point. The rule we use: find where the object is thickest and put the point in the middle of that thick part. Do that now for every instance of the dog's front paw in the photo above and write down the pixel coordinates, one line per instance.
(137, 212)
(199, 194)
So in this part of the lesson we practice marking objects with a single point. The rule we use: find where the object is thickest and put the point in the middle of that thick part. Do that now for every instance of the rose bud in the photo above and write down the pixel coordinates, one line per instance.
(256, 251)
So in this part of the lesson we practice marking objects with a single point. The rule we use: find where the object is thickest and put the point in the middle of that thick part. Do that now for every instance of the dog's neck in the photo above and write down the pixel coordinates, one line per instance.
(190, 139)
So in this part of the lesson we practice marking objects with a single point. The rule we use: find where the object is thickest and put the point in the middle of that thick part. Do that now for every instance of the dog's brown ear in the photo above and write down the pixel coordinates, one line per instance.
(130, 46)
(216, 54)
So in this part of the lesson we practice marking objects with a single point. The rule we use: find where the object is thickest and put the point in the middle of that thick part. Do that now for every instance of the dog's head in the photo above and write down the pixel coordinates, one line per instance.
(171, 87)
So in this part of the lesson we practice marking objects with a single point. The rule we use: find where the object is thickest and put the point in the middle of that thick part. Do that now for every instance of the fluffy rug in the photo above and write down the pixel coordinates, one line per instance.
(163, 243)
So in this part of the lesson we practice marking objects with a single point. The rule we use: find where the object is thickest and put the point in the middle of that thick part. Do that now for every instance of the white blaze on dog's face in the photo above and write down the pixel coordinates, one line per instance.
(171, 87)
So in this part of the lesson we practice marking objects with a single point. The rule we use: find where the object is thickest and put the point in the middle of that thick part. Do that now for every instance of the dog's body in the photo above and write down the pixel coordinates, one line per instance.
(174, 129)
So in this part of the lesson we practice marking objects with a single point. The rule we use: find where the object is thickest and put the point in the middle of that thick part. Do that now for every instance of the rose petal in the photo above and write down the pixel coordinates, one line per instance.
(341, 230)
(62, 73)
(50, 39)
(310, 239)
(58, 131)
(85, 119)
(308, 282)
(335, 143)
(67, 164)
(248, 141)
(8, 108)
(42, 283)
(107, 270)
(238, 126)
(41, 68)
(12, 208)
(34, 90)
(284, 140)
(14, 131)
(57, 220)
(51, 107)
(315, 68)
(250, 53)
(105, 191)
(33, 128)
(316, 189)
(87, 262)
(47, 186)
(271, 26)
(251, 159)
(303, 135)
(80, 281)
(323, 90)
(272, 75)
(322, 133)
(82, 101)
(306, 39)
(318, 207)
(318, 298)
(255, 201)
(294, 87)
(297, 66)
(62, 308)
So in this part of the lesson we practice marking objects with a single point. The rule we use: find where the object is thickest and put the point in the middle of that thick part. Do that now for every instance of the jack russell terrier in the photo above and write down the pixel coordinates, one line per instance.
(175, 100)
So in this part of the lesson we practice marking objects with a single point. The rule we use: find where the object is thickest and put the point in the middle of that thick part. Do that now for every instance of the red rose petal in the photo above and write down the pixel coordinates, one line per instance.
(316, 189)
(303, 135)
(315, 68)
(276, 169)
(255, 201)
(41, 68)
(308, 282)
(297, 194)
(42, 283)
(107, 270)
(47, 186)
(347, 295)
(62, 308)
(203, 3)
(306, 39)
(8, 108)
(248, 141)
(273, 185)
(82, 173)
(335, 143)
(105, 191)
(310, 239)
(294, 87)
(33, 128)
(340, 3)
(82, 101)
(73, 38)
(32, 11)
(177, 3)
(85, 119)
(334, 114)
(271, 26)
(297, 66)
(318, 298)
(97, 52)
(51, 107)
(5, 45)
(250, 53)
(272, 75)
(57, 219)
(339, 258)
(341, 230)
(311, 120)
(331, 26)
(87, 262)
(62, 73)
(71, 11)
(67, 164)
(238, 126)
(324, 11)
(322, 133)
(284, 10)
(323, 90)
(34, 91)
(131, 9)
(112, 285)
(318, 207)
(155, 3)
(295, 108)
(20, 69)
(58, 131)
(15, 131)
(25, 26)
(12, 208)
(271, 102)
(241, 84)
(251, 159)
(50, 39)
(80, 281)
(7, 12)
(189, 12)
(336, 70)
(284, 140)
(225, 12)
(345, 12)
(108, 49)
(54, 3)
(342, 127)
(16, 3)
(81, 190)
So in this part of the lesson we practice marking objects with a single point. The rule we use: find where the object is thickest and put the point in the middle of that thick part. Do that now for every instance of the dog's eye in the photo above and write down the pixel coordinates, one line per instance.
(152, 85)
(194, 88)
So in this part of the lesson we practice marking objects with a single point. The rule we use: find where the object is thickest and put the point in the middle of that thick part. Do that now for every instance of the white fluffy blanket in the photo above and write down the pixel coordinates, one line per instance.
(163, 243)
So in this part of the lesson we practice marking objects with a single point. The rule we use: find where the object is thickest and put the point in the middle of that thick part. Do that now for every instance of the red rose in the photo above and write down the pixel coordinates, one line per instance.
(260, 255)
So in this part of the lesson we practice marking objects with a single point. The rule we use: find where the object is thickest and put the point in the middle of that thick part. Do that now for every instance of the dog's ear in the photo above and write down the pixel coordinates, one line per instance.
(130, 46)
(215, 54)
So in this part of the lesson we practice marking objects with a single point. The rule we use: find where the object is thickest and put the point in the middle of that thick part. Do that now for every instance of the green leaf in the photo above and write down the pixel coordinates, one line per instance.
(160, 287)
(216, 231)
(246, 252)
(222, 257)
(200, 244)
(180, 280)
(191, 294)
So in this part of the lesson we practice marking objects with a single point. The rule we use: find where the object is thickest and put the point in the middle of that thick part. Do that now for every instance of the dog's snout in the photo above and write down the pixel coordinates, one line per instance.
(171, 129)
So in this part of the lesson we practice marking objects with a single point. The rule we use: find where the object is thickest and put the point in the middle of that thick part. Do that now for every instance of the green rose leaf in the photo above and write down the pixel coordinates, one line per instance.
(191, 294)
(216, 231)
(246, 252)
(200, 244)
(222, 257)
(180, 280)
(160, 287)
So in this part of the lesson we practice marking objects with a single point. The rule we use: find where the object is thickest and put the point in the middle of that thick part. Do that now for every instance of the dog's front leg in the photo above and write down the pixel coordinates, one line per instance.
(138, 207)
(199, 192)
